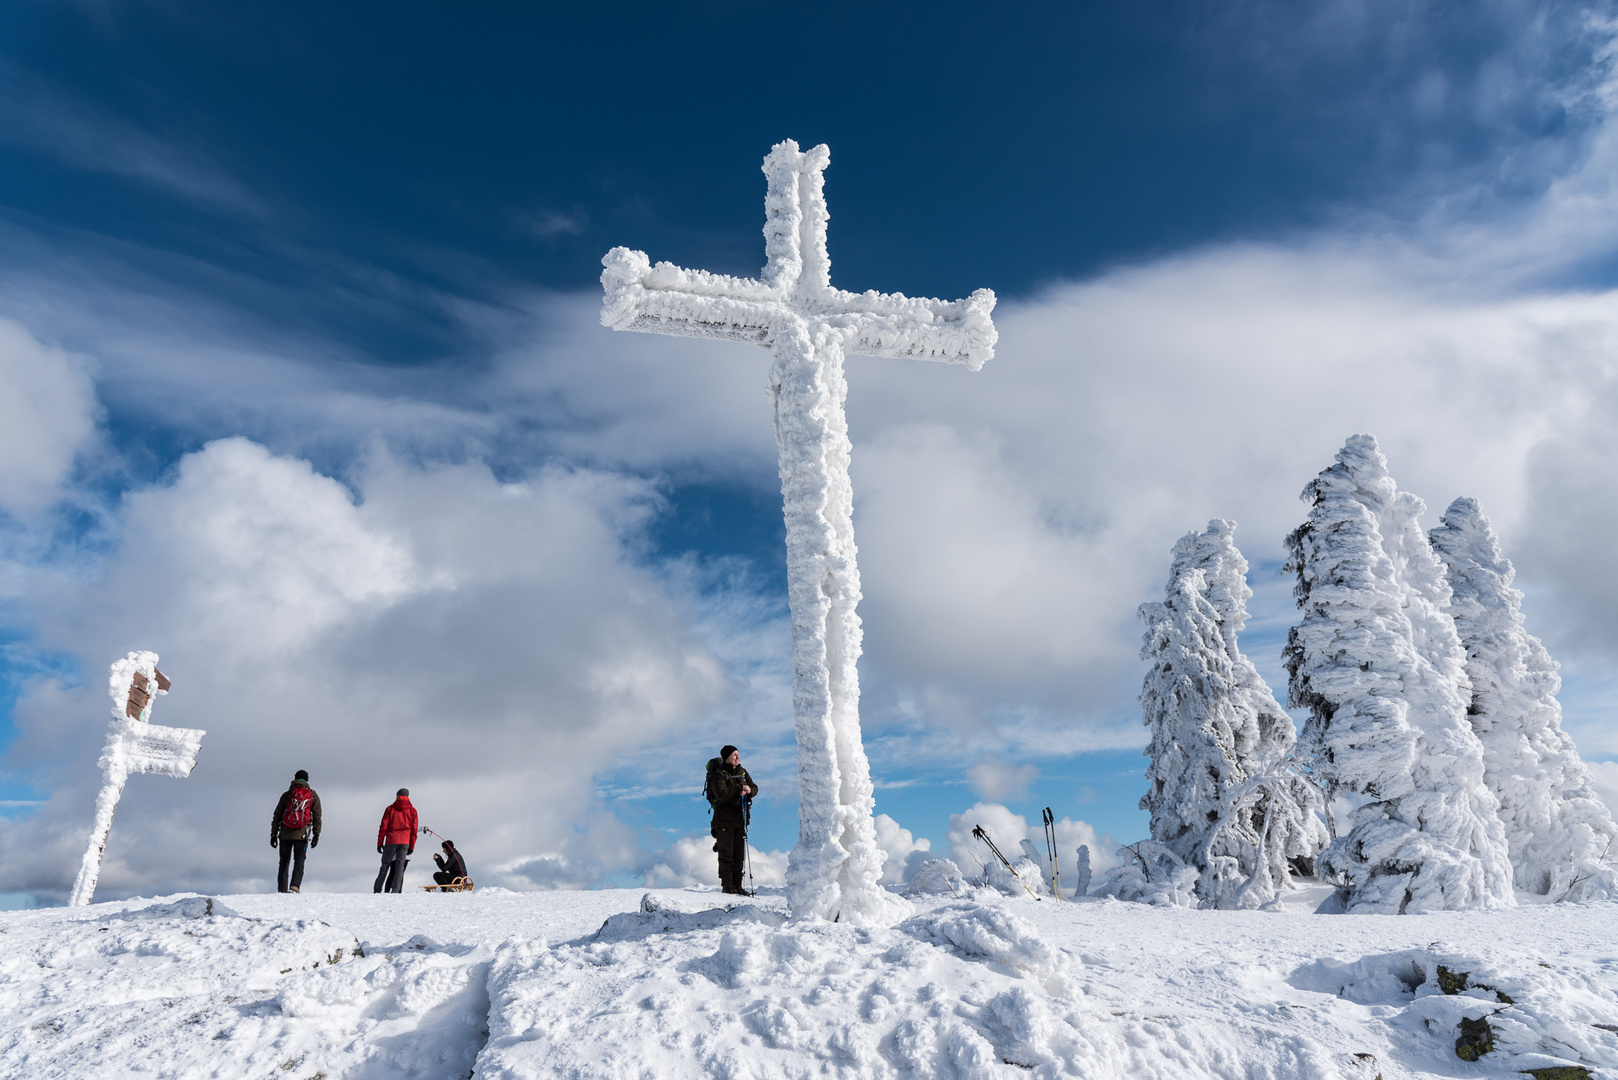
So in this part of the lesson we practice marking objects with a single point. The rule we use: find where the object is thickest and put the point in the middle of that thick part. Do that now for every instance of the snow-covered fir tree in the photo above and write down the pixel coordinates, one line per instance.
(1381, 670)
(1557, 830)
(1221, 796)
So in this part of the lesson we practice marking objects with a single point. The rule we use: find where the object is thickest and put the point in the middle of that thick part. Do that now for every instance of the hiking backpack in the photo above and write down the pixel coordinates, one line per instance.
(707, 783)
(300, 809)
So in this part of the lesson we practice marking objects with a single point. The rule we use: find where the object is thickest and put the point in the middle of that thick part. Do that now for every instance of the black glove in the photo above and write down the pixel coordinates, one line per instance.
(412, 851)
(314, 843)
(272, 841)
(379, 849)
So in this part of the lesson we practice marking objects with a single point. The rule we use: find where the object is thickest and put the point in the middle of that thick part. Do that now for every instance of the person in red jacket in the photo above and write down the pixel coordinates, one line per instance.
(395, 842)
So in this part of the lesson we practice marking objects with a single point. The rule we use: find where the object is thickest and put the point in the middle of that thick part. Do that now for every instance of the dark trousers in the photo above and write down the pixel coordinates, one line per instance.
(391, 876)
(443, 877)
(294, 850)
(731, 843)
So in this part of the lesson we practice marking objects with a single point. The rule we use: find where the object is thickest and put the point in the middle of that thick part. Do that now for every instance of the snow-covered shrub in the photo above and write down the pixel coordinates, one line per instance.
(1026, 881)
(1150, 873)
(936, 877)
(1380, 668)
(1222, 797)
(1557, 829)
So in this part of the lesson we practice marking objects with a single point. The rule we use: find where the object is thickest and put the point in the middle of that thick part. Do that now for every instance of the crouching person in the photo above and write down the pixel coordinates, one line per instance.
(450, 865)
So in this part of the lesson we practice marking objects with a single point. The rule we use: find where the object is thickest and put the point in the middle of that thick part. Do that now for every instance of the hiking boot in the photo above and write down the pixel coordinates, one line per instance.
(294, 888)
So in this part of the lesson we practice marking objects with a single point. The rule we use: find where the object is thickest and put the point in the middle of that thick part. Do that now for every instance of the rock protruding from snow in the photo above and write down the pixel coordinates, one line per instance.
(1557, 829)
(1223, 797)
(1381, 670)
(836, 867)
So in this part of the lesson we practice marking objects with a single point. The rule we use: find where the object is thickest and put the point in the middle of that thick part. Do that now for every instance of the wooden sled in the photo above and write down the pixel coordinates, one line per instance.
(460, 884)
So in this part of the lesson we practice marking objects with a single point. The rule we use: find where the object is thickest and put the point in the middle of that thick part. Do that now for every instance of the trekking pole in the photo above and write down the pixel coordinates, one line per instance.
(977, 831)
(1050, 851)
(747, 852)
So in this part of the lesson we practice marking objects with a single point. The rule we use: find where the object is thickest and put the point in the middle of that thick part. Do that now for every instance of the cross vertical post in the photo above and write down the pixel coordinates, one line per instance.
(808, 326)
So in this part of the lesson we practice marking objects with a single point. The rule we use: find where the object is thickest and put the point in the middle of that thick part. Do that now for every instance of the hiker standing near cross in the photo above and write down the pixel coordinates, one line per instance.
(792, 310)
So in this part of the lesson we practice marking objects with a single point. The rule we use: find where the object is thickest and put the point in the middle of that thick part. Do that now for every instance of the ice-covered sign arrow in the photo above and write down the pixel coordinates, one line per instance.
(808, 326)
(133, 746)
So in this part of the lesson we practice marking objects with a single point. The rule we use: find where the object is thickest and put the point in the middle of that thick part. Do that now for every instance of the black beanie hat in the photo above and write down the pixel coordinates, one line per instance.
(404, 791)
(725, 752)
(301, 774)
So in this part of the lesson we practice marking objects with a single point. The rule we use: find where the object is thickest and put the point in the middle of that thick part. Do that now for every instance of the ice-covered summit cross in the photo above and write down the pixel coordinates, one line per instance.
(792, 310)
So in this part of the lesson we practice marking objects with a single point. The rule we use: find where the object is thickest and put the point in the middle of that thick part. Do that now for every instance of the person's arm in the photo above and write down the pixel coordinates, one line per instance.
(752, 784)
(275, 818)
(411, 850)
(314, 839)
(382, 829)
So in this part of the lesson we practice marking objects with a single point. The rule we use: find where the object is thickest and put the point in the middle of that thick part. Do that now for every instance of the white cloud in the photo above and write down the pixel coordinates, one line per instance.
(490, 645)
(691, 860)
(904, 851)
(50, 417)
(83, 137)
(996, 780)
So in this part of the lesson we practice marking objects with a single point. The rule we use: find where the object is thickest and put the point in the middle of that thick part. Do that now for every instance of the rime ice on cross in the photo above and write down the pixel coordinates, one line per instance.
(792, 310)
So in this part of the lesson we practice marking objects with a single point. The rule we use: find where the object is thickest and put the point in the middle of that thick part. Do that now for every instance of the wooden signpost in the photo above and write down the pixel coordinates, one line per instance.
(134, 745)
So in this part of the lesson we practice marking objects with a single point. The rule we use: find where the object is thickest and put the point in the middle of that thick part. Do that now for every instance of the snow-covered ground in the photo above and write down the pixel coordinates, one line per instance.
(678, 983)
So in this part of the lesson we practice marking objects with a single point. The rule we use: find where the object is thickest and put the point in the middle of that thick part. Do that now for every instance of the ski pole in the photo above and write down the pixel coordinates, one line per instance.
(1050, 851)
(978, 831)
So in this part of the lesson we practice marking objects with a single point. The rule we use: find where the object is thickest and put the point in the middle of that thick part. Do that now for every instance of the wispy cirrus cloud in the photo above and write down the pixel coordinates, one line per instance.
(42, 117)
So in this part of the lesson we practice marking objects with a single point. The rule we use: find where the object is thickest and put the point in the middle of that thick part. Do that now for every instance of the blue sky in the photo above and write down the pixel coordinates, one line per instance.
(299, 303)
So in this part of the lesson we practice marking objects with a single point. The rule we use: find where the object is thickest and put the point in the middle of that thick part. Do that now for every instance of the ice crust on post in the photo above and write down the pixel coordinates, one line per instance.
(1380, 668)
(1222, 796)
(133, 746)
(1557, 829)
(792, 310)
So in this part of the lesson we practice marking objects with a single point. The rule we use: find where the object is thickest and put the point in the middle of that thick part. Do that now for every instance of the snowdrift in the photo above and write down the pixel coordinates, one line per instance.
(678, 984)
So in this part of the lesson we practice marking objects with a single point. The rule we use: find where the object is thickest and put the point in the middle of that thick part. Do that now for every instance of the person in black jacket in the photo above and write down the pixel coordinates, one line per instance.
(730, 792)
(450, 865)
(295, 828)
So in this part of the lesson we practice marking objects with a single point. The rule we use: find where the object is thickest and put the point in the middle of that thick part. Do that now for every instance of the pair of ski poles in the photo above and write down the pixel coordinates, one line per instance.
(1050, 853)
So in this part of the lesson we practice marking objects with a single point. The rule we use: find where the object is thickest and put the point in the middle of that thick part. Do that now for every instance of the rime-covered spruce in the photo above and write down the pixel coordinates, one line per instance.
(1380, 668)
(1557, 830)
(1223, 797)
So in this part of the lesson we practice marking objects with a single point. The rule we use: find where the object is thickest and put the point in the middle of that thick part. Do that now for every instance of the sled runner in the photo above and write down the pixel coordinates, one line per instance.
(460, 884)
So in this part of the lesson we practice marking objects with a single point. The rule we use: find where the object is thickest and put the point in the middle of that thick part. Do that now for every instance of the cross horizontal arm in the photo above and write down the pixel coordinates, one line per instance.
(667, 299)
(892, 324)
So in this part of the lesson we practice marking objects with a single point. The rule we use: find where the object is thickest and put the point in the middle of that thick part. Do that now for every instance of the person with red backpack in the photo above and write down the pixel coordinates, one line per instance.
(395, 842)
(295, 828)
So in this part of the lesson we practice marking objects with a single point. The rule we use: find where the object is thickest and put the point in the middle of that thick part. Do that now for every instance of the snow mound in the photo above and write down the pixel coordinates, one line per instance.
(1538, 1016)
(992, 933)
(938, 877)
(744, 992)
(189, 987)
